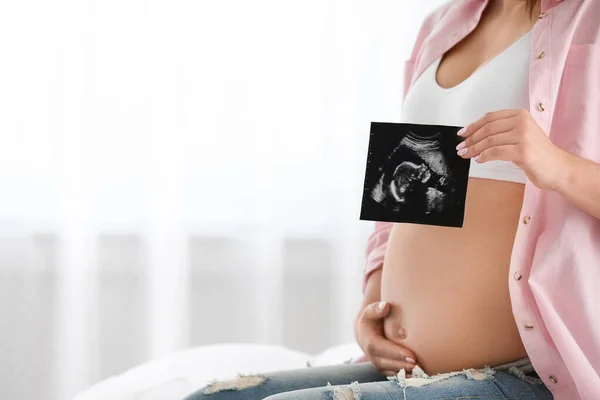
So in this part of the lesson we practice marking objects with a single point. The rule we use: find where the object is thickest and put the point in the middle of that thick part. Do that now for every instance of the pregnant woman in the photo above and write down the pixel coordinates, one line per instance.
(507, 307)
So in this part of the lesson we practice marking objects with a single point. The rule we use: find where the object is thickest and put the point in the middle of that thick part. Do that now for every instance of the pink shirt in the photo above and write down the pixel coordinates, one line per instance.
(554, 277)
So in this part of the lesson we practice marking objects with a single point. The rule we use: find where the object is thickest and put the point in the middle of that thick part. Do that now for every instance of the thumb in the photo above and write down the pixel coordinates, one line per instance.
(376, 311)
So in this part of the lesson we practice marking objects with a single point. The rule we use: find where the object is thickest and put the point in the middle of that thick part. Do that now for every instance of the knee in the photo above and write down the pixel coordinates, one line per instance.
(229, 389)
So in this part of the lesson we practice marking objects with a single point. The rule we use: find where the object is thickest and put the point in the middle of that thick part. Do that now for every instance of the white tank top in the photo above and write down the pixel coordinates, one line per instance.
(498, 84)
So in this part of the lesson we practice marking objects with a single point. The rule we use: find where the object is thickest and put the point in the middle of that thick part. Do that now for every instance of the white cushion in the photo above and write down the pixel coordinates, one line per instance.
(179, 374)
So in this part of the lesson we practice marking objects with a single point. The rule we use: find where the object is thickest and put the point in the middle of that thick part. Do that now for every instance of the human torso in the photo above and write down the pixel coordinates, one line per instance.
(449, 287)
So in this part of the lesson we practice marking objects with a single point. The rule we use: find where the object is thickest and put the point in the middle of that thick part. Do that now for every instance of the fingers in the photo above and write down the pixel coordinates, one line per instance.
(378, 346)
(494, 140)
(376, 311)
(505, 153)
(488, 131)
(387, 364)
(486, 119)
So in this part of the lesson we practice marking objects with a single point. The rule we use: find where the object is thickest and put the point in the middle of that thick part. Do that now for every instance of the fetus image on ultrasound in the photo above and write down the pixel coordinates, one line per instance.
(414, 175)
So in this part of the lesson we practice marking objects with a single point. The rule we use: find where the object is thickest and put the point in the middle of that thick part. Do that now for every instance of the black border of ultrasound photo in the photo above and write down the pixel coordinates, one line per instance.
(413, 175)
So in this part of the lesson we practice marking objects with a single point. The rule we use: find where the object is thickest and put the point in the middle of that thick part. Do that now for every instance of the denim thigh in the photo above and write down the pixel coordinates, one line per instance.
(498, 386)
(259, 386)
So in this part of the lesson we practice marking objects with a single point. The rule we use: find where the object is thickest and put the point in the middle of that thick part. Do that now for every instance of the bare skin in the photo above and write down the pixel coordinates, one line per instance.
(453, 303)
(502, 23)
(447, 288)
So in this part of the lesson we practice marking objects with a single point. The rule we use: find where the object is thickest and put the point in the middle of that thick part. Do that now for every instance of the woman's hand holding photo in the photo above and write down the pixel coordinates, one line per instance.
(513, 135)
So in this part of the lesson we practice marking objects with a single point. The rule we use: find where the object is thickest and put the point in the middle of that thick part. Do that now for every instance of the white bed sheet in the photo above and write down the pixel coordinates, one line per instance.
(175, 376)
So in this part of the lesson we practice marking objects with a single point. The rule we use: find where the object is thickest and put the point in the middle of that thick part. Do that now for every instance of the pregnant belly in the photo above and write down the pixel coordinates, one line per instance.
(448, 287)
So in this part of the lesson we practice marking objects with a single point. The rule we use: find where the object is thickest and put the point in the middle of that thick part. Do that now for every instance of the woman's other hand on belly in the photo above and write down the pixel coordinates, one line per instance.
(388, 357)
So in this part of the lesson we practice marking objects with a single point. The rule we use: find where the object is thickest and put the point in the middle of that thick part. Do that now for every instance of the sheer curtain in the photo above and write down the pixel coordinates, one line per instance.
(178, 173)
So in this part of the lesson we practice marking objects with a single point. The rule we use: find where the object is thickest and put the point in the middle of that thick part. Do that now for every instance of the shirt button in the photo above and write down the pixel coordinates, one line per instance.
(526, 219)
(517, 276)
(528, 325)
(541, 107)
(541, 55)
(553, 379)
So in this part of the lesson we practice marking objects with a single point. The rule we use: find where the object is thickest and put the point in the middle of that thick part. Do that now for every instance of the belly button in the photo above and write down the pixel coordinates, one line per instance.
(402, 333)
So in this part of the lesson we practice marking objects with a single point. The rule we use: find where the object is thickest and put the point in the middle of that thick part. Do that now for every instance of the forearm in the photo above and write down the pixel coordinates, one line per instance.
(580, 183)
(373, 288)
(372, 294)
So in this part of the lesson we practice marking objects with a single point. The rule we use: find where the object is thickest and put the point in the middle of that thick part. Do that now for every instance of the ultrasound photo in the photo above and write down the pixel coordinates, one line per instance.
(414, 175)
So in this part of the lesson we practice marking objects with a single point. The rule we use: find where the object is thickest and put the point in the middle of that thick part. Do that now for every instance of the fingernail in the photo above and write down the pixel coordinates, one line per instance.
(381, 306)
(476, 158)
(410, 360)
(460, 145)
(462, 131)
(461, 152)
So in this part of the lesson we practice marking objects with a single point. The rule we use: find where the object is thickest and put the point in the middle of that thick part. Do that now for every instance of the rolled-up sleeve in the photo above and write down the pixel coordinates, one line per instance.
(375, 250)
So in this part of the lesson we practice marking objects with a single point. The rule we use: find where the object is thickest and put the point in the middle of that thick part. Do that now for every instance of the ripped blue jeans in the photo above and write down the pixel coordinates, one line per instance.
(362, 381)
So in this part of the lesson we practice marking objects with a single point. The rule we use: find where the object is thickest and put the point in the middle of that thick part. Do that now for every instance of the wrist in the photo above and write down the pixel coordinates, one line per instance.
(564, 162)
